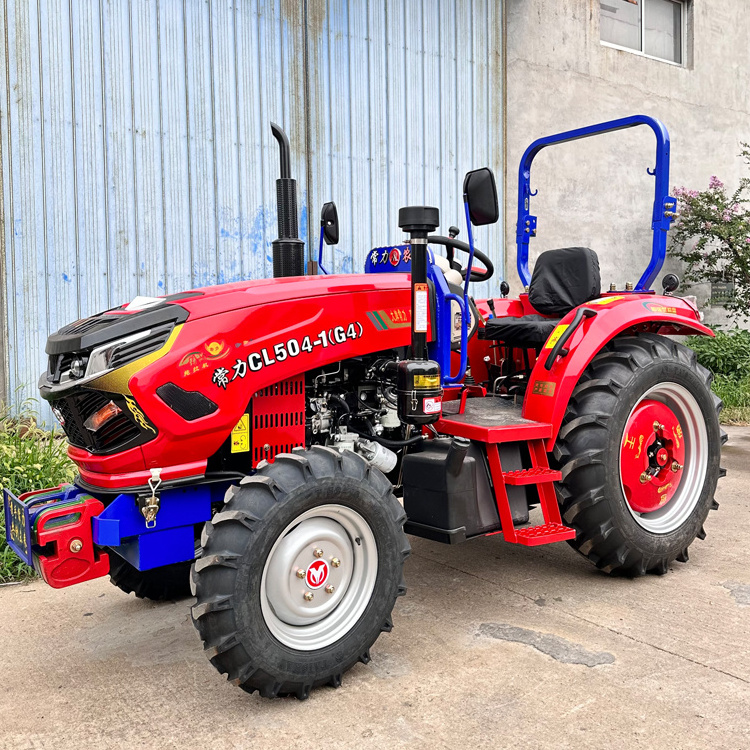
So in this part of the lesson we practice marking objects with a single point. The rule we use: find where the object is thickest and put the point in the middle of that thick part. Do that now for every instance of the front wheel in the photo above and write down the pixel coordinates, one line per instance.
(639, 453)
(299, 572)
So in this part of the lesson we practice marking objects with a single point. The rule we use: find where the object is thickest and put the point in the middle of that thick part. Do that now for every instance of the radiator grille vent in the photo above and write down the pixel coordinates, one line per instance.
(278, 419)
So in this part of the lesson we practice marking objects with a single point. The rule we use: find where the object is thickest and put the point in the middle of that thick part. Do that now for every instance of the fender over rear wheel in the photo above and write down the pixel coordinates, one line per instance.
(300, 572)
(639, 452)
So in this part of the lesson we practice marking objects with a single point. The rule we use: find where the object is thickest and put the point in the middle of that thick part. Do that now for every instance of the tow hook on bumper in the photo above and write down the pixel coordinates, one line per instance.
(51, 531)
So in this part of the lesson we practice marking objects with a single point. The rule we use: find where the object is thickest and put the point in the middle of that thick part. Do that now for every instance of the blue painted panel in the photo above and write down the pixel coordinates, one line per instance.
(137, 156)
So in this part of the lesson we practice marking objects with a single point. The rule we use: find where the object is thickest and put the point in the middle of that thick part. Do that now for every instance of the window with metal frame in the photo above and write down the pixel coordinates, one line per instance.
(653, 28)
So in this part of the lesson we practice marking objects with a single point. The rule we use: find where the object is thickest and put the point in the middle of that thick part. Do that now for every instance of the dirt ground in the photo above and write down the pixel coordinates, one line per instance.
(493, 646)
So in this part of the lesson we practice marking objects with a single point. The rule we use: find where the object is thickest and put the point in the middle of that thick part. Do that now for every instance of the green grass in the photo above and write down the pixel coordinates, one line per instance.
(728, 358)
(735, 393)
(30, 459)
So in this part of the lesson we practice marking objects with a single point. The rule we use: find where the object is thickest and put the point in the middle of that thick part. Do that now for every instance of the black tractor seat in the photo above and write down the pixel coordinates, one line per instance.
(562, 280)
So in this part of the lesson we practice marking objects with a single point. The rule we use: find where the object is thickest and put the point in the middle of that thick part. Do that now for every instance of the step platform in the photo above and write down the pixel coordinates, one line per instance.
(531, 476)
(490, 420)
(533, 536)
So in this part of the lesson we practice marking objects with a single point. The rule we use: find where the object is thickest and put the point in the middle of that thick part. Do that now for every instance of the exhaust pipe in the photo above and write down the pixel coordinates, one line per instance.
(288, 249)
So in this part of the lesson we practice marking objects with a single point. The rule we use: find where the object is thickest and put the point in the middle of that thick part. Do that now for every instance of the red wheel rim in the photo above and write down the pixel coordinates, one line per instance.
(652, 456)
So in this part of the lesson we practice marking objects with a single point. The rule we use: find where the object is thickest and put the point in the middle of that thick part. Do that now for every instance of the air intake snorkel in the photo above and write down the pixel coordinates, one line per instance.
(288, 249)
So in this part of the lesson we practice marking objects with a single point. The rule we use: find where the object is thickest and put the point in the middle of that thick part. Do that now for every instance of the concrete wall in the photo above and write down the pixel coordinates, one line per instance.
(596, 192)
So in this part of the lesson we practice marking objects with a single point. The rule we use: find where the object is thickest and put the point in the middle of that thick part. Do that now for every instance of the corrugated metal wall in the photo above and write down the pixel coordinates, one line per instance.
(137, 156)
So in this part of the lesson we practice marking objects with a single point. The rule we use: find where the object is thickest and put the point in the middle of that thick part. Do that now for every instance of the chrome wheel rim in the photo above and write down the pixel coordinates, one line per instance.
(677, 510)
(319, 577)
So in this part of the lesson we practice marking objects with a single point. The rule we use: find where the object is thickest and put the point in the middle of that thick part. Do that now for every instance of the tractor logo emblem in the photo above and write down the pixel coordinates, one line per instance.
(317, 574)
(191, 360)
(216, 349)
(395, 256)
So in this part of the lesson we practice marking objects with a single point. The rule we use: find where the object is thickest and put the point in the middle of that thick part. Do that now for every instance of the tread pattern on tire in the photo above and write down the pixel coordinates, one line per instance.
(593, 399)
(214, 615)
(168, 583)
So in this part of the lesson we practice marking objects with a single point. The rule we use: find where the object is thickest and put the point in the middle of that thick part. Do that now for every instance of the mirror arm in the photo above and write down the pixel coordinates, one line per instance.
(471, 248)
(320, 250)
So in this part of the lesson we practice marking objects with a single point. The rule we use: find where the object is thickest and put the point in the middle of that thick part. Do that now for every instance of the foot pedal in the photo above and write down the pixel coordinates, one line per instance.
(531, 476)
(533, 536)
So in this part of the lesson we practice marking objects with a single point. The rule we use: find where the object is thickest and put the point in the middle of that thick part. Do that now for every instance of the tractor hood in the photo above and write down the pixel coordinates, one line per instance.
(228, 297)
(145, 323)
(147, 312)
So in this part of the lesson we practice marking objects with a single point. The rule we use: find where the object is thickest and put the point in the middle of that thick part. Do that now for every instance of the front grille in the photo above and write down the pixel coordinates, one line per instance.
(137, 349)
(117, 433)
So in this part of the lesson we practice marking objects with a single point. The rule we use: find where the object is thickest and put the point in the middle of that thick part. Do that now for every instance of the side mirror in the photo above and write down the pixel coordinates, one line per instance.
(670, 283)
(480, 193)
(329, 222)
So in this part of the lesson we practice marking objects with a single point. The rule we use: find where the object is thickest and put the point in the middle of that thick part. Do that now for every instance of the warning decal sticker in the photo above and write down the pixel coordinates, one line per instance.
(241, 435)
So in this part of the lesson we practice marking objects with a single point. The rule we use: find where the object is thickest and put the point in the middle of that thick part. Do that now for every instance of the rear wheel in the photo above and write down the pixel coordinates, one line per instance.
(167, 583)
(639, 452)
(300, 572)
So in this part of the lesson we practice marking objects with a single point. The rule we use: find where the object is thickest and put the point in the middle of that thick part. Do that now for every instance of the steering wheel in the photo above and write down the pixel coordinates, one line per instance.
(450, 243)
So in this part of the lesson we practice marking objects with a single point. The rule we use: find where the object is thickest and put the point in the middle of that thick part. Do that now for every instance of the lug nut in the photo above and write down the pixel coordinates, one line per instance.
(317, 552)
(308, 596)
(76, 546)
(300, 573)
(645, 478)
(676, 466)
(335, 562)
(330, 589)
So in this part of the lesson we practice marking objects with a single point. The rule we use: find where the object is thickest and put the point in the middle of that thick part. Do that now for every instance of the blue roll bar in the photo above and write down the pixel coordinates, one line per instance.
(664, 203)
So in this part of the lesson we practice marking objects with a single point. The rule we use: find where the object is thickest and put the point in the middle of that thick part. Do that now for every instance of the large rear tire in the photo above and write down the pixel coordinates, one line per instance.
(300, 572)
(639, 452)
(168, 583)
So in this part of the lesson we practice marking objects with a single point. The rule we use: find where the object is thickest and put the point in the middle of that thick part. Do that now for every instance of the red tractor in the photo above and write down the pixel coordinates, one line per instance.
(270, 443)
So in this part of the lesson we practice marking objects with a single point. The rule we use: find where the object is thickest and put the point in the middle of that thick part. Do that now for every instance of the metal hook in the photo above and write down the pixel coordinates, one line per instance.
(532, 193)
(652, 172)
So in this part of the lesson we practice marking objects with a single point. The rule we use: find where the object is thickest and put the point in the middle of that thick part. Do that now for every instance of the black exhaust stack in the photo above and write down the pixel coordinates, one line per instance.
(288, 249)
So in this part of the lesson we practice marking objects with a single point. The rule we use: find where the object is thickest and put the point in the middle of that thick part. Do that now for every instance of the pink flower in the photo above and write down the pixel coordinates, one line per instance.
(727, 215)
(715, 183)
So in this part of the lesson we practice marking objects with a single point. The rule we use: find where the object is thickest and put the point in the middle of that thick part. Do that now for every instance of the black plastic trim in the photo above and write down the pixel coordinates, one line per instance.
(106, 327)
(190, 405)
(195, 480)
(448, 536)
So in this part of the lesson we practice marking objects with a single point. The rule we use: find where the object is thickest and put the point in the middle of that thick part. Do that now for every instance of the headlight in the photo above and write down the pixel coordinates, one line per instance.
(110, 356)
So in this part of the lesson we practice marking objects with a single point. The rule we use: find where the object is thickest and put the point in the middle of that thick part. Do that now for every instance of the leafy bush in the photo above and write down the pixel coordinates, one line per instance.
(728, 358)
(30, 458)
(712, 236)
(728, 354)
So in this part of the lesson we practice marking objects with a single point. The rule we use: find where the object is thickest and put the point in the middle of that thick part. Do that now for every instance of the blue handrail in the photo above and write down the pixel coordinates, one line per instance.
(664, 203)
(449, 379)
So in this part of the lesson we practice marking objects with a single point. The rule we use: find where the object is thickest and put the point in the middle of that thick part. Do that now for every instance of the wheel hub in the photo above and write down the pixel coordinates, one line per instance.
(652, 456)
(319, 577)
(298, 551)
